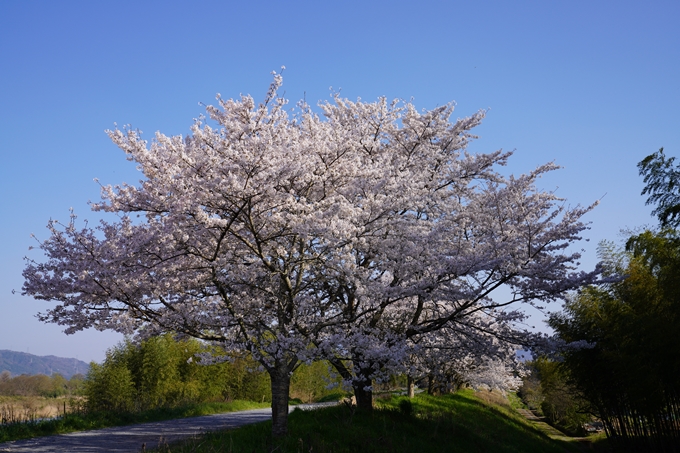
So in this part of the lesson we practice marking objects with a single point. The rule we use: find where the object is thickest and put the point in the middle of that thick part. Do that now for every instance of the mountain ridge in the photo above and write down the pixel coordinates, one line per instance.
(18, 363)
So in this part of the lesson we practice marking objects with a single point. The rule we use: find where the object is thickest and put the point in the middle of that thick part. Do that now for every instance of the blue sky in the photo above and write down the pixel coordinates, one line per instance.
(591, 85)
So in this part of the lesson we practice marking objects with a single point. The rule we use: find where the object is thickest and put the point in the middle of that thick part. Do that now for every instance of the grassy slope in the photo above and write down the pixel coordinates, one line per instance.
(451, 423)
(81, 422)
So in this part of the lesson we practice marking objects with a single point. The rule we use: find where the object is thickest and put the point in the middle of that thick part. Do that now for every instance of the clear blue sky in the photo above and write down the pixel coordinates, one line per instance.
(591, 85)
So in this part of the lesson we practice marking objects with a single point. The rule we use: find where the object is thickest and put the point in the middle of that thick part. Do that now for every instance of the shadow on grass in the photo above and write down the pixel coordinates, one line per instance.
(451, 423)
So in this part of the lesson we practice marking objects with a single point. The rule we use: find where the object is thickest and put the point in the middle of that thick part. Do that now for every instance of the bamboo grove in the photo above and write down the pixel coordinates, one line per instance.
(621, 345)
(629, 371)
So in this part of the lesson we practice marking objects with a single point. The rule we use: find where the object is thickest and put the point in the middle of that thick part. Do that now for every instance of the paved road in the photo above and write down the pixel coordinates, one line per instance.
(129, 439)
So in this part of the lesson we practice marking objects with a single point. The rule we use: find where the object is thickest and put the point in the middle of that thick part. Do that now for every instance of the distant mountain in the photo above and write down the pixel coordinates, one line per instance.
(23, 363)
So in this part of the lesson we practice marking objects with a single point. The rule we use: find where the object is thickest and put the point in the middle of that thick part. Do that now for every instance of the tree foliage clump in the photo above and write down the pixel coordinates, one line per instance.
(662, 179)
(40, 385)
(548, 390)
(163, 372)
(629, 369)
(315, 381)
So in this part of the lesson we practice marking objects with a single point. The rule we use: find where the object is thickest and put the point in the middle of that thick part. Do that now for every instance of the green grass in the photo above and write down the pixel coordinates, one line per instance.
(515, 401)
(81, 422)
(453, 423)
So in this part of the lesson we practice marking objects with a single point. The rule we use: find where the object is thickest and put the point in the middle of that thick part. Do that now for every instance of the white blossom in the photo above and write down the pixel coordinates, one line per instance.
(357, 230)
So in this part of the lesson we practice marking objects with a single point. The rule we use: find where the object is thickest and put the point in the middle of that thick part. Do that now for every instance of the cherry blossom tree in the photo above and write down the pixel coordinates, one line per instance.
(456, 354)
(294, 235)
(457, 239)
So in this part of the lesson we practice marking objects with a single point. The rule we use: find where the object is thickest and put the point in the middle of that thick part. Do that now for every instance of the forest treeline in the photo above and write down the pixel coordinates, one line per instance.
(628, 368)
(41, 385)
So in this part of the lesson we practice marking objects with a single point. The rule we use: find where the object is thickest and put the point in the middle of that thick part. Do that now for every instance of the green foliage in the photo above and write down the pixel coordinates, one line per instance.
(559, 400)
(314, 382)
(452, 423)
(40, 385)
(109, 387)
(631, 374)
(530, 392)
(515, 401)
(662, 179)
(164, 372)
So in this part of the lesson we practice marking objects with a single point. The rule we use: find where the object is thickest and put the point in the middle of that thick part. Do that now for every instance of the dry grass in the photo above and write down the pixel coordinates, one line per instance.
(19, 409)
(493, 398)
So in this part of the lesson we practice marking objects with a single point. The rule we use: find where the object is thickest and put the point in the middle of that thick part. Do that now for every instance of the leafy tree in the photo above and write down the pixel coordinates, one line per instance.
(76, 385)
(311, 382)
(662, 179)
(530, 391)
(58, 386)
(630, 369)
(164, 372)
(304, 236)
(110, 387)
(549, 390)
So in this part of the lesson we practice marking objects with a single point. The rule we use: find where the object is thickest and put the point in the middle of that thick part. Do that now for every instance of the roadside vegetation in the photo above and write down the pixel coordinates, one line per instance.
(27, 398)
(157, 379)
(80, 421)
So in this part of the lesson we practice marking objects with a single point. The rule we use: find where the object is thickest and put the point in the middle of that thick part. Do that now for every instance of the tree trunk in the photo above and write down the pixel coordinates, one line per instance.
(363, 397)
(411, 387)
(363, 389)
(280, 378)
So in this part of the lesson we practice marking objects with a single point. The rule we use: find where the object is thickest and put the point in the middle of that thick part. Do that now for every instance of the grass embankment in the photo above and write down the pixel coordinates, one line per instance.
(462, 422)
(84, 421)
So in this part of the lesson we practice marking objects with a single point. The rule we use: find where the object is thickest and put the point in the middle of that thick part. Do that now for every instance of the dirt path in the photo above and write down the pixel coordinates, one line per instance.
(551, 431)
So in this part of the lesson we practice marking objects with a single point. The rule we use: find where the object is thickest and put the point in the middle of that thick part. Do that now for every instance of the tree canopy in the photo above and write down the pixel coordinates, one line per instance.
(293, 236)
(662, 179)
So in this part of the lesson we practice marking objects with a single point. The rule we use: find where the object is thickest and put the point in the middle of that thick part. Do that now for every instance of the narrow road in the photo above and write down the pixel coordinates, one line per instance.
(129, 439)
(550, 431)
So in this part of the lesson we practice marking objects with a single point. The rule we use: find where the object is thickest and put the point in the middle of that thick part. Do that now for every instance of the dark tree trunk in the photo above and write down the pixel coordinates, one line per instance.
(280, 378)
(411, 387)
(363, 397)
(363, 390)
(342, 370)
